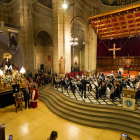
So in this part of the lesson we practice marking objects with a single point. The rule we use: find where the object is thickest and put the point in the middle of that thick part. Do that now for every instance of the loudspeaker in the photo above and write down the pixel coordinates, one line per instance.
(42, 67)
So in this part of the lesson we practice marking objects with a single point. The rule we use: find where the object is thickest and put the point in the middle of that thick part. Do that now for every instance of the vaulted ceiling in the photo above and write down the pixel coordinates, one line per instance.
(122, 23)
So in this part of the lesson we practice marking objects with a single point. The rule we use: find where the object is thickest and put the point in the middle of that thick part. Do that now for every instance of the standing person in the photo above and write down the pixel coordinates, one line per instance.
(26, 97)
(83, 87)
(53, 136)
(34, 97)
(119, 74)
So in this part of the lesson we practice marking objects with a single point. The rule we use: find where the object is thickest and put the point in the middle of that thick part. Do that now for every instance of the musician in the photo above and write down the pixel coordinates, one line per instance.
(111, 74)
(88, 82)
(128, 82)
(120, 87)
(66, 83)
(106, 79)
(61, 81)
(116, 92)
(83, 86)
(112, 81)
(79, 84)
(137, 97)
(134, 81)
(99, 83)
(102, 90)
(55, 81)
(101, 74)
(73, 86)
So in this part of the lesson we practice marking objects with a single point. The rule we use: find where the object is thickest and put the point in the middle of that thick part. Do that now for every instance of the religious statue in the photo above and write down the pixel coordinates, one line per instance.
(114, 50)
(62, 64)
(13, 45)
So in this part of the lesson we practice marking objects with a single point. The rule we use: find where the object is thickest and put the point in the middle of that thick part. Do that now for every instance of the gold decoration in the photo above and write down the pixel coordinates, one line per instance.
(7, 55)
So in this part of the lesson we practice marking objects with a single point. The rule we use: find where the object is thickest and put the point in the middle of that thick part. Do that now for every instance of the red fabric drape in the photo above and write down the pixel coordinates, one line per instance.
(132, 47)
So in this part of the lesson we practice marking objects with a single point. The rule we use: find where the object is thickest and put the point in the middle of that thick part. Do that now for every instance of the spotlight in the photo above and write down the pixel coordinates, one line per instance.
(65, 6)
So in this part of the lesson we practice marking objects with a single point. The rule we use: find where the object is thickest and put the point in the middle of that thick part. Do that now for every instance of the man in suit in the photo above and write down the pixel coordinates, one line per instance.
(26, 97)
(118, 74)
(83, 87)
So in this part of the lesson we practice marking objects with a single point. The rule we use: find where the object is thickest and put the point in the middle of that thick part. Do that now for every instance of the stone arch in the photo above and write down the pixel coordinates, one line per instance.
(83, 24)
(4, 48)
(43, 49)
(43, 29)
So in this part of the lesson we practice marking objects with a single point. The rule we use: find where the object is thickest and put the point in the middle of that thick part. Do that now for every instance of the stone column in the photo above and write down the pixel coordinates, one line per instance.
(86, 56)
(80, 59)
(28, 28)
(61, 36)
(92, 52)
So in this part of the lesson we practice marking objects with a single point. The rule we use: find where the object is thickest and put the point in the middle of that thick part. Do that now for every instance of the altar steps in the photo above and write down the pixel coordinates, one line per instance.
(100, 116)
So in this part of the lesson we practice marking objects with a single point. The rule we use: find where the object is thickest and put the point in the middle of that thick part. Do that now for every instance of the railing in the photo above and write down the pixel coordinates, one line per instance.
(12, 26)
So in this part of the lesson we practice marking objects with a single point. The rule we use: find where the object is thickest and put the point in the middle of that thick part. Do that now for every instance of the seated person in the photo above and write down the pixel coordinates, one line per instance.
(79, 84)
(102, 90)
(116, 92)
(88, 82)
(120, 86)
(137, 97)
(73, 87)
(66, 83)
(99, 83)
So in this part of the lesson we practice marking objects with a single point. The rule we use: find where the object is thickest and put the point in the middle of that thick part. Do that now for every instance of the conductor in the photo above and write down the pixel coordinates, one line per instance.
(83, 87)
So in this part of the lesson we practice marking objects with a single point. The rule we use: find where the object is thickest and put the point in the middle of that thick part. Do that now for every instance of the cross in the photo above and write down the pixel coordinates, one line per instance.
(114, 50)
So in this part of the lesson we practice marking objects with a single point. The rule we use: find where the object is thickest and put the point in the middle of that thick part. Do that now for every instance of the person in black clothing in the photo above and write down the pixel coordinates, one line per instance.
(83, 87)
(72, 84)
(102, 90)
(134, 82)
(55, 81)
(137, 94)
(79, 84)
(26, 97)
(120, 87)
(88, 82)
(116, 92)
(38, 81)
(99, 83)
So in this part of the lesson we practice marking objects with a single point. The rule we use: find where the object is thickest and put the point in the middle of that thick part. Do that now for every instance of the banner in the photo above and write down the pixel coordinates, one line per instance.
(129, 103)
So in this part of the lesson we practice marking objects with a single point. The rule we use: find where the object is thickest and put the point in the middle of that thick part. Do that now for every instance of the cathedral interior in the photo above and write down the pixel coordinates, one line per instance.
(40, 32)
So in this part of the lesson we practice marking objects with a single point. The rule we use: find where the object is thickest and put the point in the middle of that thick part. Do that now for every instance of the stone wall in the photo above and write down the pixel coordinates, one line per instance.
(33, 17)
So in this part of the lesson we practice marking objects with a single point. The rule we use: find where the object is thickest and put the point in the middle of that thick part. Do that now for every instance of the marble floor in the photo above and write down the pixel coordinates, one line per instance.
(37, 124)
(91, 98)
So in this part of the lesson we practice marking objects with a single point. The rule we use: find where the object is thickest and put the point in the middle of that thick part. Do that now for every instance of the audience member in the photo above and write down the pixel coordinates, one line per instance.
(53, 136)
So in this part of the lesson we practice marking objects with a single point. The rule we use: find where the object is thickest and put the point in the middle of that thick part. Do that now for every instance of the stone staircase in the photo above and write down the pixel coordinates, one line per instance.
(100, 116)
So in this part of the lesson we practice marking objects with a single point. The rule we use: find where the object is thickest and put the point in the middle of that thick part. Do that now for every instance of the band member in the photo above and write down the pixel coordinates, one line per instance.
(102, 90)
(116, 92)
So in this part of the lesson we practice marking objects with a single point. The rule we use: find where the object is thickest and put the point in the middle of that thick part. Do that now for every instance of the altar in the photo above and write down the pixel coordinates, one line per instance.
(9, 76)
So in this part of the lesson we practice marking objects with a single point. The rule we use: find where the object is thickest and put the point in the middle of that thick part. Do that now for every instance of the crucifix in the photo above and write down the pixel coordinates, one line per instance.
(114, 50)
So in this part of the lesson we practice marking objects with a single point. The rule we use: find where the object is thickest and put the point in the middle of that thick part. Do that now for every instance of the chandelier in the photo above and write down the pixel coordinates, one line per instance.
(74, 40)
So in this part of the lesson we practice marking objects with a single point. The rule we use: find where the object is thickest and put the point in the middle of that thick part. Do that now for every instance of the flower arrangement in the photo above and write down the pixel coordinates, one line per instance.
(8, 79)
